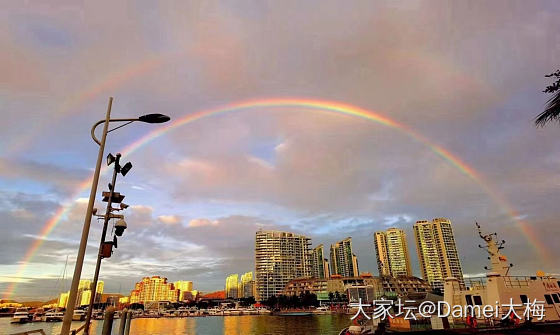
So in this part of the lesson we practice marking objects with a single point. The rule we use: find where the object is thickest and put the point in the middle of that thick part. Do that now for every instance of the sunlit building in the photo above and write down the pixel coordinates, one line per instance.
(319, 265)
(63, 300)
(343, 261)
(437, 251)
(279, 258)
(185, 288)
(232, 286)
(153, 288)
(391, 251)
(247, 286)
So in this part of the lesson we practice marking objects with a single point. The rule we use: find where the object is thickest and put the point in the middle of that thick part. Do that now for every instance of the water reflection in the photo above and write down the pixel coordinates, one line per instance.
(227, 325)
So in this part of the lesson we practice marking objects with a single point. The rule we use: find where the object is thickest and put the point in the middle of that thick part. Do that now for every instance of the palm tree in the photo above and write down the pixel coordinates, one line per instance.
(552, 108)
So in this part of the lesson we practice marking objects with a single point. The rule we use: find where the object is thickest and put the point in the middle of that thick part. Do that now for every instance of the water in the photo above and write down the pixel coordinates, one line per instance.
(219, 325)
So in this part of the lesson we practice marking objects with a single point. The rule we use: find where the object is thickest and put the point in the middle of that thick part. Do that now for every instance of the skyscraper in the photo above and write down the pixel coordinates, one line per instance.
(279, 258)
(246, 285)
(343, 260)
(319, 265)
(381, 253)
(392, 254)
(437, 251)
(232, 286)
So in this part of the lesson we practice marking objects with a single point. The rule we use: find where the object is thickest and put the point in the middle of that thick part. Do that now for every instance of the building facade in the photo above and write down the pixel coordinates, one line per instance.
(437, 251)
(356, 287)
(247, 285)
(343, 260)
(279, 258)
(381, 253)
(185, 287)
(319, 265)
(154, 288)
(232, 286)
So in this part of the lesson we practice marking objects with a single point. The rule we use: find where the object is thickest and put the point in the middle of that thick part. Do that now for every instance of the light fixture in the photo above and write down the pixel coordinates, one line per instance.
(126, 168)
(154, 118)
(110, 159)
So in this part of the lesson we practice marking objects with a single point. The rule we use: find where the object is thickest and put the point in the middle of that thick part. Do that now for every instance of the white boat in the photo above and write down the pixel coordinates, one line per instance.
(79, 315)
(54, 316)
(263, 311)
(499, 288)
(21, 315)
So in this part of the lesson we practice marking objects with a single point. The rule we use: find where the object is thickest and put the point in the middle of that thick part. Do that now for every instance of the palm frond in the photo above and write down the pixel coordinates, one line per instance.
(551, 112)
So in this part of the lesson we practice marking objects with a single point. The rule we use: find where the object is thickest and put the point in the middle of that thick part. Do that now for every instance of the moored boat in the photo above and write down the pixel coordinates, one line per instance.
(79, 315)
(54, 316)
(21, 315)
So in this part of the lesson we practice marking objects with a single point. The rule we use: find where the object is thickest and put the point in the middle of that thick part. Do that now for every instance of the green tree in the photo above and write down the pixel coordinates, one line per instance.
(552, 108)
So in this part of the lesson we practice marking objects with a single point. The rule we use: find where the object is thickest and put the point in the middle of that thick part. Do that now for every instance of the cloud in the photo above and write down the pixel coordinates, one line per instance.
(202, 223)
(169, 219)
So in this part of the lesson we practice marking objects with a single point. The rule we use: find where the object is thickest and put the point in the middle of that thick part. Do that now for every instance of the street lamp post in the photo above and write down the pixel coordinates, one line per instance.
(150, 118)
(106, 219)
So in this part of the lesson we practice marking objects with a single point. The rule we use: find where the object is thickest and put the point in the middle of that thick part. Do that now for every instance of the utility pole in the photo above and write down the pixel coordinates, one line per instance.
(105, 248)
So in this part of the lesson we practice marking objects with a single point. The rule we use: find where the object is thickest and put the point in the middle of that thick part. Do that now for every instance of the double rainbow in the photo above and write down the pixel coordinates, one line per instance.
(305, 104)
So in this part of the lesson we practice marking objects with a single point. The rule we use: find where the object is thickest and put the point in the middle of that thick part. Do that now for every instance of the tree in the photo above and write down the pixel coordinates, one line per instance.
(552, 108)
(331, 297)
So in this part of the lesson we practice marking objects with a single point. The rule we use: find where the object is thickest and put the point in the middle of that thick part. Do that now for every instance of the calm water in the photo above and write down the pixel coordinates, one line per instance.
(226, 325)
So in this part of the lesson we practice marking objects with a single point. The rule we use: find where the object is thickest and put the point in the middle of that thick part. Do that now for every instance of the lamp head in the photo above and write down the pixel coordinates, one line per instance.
(154, 118)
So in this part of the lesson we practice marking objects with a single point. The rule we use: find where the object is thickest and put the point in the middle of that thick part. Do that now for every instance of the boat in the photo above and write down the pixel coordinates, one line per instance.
(498, 288)
(38, 316)
(54, 316)
(21, 315)
(79, 315)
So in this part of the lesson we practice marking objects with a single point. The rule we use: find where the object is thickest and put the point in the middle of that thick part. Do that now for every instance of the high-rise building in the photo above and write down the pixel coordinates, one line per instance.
(343, 260)
(185, 287)
(63, 300)
(232, 286)
(381, 253)
(279, 258)
(84, 293)
(319, 265)
(437, 252)
(246, 285)
(397, 252)
(153, 288)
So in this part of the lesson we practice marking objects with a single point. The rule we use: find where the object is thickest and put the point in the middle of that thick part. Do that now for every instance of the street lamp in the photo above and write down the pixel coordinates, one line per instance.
(150, 118)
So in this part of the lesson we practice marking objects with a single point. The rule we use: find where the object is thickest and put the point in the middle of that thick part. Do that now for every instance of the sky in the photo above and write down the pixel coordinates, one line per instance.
(466, 76)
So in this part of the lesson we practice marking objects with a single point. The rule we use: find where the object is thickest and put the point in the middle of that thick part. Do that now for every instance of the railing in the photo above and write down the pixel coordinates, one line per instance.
(474, 283)
(516, 281)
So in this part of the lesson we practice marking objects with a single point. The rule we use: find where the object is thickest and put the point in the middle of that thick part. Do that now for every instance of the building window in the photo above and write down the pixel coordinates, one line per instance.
(468, 297)
(523, 299)
(556, 298)
(548, 299)
(477, 300)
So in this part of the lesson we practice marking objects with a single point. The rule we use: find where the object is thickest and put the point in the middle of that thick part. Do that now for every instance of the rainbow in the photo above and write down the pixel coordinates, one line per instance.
(306, 104)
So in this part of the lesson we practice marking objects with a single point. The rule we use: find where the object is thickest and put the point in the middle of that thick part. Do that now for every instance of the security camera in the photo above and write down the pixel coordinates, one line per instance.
(123, 205)
(120, 226)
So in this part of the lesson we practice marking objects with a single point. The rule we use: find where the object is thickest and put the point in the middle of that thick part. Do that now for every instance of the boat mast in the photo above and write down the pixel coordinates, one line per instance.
(498, 261)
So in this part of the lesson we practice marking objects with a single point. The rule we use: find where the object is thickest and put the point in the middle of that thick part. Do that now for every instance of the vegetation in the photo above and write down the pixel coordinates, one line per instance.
(552, 108)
